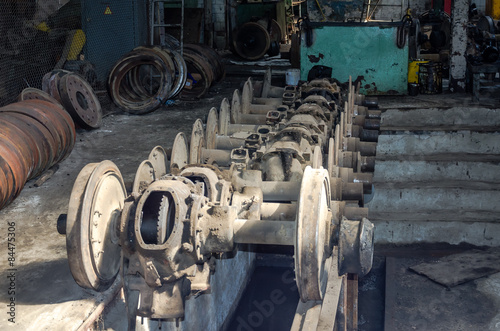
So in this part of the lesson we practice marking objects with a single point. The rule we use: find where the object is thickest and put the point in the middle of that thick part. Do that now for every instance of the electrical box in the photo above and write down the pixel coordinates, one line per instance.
(112, 28)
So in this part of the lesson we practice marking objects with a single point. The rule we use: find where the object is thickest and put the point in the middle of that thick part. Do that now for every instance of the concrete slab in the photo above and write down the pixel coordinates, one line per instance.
(414, 302)
(452, 232)
(400, 146)
(454, 201)
(436, 185)
(460, 268)
(453, 173)
(458, 116)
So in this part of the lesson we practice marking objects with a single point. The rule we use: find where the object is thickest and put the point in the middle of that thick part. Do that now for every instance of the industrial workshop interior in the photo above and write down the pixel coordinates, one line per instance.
(250, 165)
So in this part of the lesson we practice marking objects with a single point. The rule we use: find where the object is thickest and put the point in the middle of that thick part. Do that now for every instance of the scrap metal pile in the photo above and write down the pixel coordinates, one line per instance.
(275, 166)
(484, 36)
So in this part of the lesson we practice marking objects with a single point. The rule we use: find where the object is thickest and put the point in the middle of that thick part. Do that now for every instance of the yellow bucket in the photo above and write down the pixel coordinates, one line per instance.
(413, 67)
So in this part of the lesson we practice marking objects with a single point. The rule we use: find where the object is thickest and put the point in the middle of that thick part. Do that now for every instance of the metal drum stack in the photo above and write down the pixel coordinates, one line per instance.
(34, 135)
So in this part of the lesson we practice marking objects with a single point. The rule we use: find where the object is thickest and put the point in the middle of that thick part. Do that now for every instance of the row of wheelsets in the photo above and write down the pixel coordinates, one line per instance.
(273, 166)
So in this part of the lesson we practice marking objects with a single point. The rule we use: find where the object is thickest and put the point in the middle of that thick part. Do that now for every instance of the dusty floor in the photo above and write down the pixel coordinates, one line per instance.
(46, 297)
(393, 298)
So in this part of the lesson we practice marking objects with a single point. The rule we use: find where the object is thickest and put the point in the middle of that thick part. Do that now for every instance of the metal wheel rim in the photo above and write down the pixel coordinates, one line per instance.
(18, 163)
(167, 59)
(337, 146)
(92, 242)
(159, 159)
(44, 138)
(197, 142)
(312, 235)
(195, 63)
(331, 156)
(44, 120)
(117, 81)
(266, 83)
(235, 107)
(88, 116)
(239, 45)
(34, 155)
(317, 162)
(31, 93)
(144, 176)
(246, 96)
(212, 129)
(180, 152)
(66, 124)
(180, 74)
(224, 116)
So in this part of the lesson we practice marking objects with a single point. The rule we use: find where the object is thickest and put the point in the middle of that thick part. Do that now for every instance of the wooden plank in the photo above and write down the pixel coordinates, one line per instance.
(321, 315)
(332, 296)
(300, 314)
(352, 302)
(341, 318)
(312, 317)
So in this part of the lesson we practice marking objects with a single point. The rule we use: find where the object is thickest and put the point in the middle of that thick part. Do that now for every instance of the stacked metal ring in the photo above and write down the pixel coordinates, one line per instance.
(145, 78)
(34, 135)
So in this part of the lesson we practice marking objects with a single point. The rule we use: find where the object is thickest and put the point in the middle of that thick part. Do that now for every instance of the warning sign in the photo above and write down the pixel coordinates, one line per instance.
(107, 11)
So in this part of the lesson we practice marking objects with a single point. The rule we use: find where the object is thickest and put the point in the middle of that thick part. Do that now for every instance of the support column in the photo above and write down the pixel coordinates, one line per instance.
(458, 64)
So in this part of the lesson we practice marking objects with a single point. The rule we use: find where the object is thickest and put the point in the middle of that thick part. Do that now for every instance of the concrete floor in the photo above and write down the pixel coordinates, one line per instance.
(46, 296)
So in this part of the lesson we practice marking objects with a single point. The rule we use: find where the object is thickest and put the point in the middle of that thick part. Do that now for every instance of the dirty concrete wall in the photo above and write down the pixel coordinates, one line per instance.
(387, 10)
(367, 52)
(219, 23)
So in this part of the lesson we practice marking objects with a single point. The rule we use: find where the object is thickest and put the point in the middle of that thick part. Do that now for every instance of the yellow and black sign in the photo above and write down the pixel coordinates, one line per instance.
(108, 11)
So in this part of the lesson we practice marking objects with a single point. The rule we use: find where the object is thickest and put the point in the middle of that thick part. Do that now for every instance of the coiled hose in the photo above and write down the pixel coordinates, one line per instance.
(402, 32)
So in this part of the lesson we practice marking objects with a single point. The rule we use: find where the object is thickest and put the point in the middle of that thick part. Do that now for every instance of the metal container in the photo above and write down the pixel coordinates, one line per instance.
(413, 89)
(430, 78)
(413, 68)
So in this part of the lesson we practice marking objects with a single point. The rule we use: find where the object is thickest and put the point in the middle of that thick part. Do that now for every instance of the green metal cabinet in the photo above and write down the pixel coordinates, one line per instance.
(365, 51)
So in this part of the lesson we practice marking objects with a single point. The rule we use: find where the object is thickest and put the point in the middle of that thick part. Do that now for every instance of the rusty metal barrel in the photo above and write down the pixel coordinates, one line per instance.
(35, 134)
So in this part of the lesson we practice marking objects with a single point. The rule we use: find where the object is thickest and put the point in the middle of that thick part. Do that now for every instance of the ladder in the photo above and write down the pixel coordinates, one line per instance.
(370, 6)
(157, 21)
